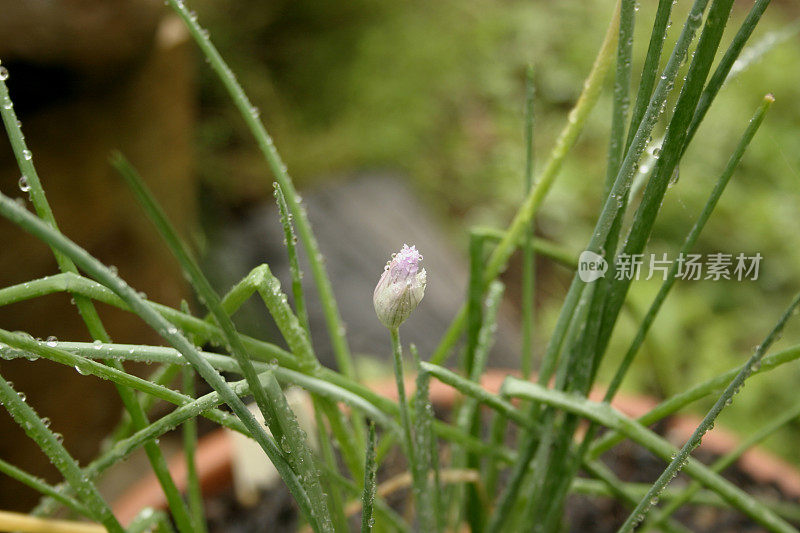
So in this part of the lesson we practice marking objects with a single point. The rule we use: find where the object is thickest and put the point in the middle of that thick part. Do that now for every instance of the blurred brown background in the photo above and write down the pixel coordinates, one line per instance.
(86, 78)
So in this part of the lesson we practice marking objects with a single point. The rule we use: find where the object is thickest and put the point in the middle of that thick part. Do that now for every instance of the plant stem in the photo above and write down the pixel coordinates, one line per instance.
(530, 206)
(725, 399)
(270, 399)
(24, 415)
(724, 462)
(605, 415)
(250, 114)
(40, 486)
(370, 482)
(193, 491)
(405, 415)
(528, 256)
(81, 258)
(87, 310)
(689, 242)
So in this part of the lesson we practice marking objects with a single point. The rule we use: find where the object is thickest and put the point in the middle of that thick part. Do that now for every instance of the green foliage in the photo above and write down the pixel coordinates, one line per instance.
(476, 155)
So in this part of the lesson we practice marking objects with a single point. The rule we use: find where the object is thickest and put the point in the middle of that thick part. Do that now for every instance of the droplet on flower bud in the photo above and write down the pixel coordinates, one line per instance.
(401, 287)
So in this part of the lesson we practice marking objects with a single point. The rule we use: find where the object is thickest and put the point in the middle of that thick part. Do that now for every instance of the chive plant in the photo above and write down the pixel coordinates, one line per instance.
(459, 474)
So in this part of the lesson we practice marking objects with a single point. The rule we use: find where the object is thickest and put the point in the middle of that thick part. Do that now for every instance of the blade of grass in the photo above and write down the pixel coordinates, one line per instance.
(43, 488)
(193, 408)
(543, 247)
(530, 442)
(497, 437)
(622, 86)
(564, 475)
(612, 205)
(369, 403)
(559, 470)
(675, 142)
(335, 502)
(768, 363)
(25, 345)
(370, 482)
(621, 184)
(380, 508)
(463, 497)
(270, 400)
(565, 141)
(18, 215)
(650, 68)
(621, 492)
(701, 390)
(724, 462)
(163, 375)
(24, 415)
(268, 287)
(294, 266)
(200, 329)
(474, 390)
(726, 398)
(706, 498)
(468, 418)
(605, 415)
(250, 115)
(558, 473)
(329, 383)
(528, 256)
(193, 492)
(725, 65)
(475, 289)
(671, 405)
(428, 458)
(405, 414)
(86, 308)
(503, 406)
(689, 242)
(150, 520)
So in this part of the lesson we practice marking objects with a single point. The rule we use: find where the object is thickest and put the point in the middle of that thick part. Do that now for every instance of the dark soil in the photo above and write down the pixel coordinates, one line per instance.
(631, 463)
(277, 513)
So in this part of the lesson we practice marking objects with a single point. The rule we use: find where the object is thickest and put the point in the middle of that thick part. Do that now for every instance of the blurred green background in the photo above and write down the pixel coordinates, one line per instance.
(435, 89)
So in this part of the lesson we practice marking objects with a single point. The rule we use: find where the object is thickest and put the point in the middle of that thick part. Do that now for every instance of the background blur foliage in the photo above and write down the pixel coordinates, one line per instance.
(435, 90)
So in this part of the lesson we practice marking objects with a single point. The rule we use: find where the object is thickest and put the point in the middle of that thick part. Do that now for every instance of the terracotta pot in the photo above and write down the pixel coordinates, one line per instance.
(214, 451)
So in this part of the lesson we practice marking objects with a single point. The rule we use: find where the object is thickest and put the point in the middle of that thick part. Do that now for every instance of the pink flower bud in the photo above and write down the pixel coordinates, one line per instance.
(400, 288)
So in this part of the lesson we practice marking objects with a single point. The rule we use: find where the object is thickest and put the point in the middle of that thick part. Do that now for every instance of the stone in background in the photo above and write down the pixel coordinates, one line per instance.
(359, 223)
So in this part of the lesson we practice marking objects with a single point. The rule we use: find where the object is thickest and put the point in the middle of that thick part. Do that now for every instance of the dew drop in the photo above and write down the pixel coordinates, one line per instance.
(3, 74)
(23, 184)
(27, 155)
(52, 341)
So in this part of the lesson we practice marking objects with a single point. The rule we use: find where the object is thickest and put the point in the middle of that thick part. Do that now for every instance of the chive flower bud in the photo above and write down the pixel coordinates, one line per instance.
(400, 288)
